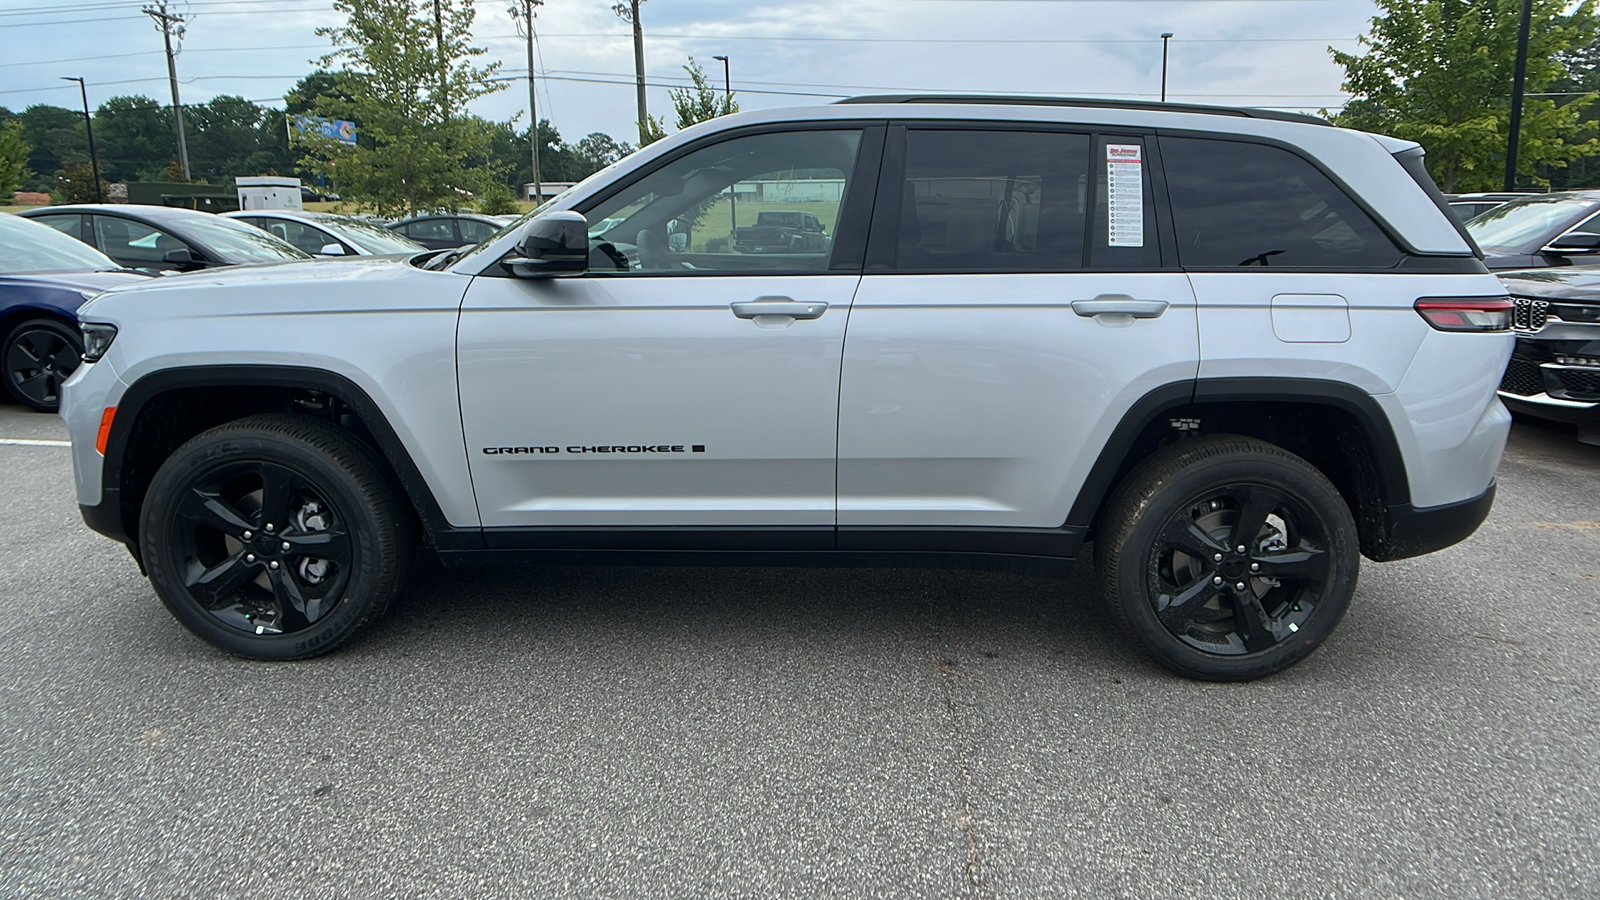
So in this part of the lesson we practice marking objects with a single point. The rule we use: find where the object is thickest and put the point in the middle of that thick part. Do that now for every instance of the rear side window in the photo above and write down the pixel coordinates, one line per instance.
(1241, 205)
(993, 201)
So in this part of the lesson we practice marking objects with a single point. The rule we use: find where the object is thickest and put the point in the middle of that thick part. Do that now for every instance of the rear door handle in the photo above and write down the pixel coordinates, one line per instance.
(1120, 305)
(779, 306)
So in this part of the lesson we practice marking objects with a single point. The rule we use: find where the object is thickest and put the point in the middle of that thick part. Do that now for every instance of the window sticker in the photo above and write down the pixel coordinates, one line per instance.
(1125, 195)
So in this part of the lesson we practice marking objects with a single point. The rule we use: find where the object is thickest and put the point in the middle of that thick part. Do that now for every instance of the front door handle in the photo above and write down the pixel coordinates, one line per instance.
(1120, 305)
(779, 306)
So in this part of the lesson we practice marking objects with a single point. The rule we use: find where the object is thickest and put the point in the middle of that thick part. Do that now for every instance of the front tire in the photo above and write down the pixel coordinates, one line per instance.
(1227, 558)
(274, 537)
(38, 356)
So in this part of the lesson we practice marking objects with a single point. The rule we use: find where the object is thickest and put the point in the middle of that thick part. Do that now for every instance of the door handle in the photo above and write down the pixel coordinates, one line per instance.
(779, 306)
(1120, 305)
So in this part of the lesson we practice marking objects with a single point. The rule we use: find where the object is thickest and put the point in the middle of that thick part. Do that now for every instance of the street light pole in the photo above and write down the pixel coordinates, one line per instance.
(88, 125)
(1165, 37)
(1516, 96)
(727, 105)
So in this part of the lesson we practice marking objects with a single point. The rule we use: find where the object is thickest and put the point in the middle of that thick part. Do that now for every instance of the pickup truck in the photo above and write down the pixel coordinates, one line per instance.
(782, 231)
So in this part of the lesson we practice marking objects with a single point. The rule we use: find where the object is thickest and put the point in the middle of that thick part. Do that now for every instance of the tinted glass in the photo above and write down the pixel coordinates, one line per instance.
(69, 225)
(1236, 204)
(767, 202)
(299, 234)
(993, 201)
(473, 231)
(28, 246)
(135, 244)
(1124, 207)
(1526, 225)
(375, 238)
(430, 230)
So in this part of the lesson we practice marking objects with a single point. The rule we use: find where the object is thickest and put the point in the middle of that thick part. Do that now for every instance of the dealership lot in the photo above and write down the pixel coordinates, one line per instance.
(628, 732)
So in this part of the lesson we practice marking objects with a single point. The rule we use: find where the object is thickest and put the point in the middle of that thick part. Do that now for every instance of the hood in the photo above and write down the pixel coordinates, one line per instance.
(320, 270)
(80, 281)
(1567, 284)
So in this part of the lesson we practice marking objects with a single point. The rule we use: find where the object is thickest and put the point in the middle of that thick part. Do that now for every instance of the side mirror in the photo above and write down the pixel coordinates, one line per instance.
(182, 256)
(331, 250)
(1573, 243)
(552, 245)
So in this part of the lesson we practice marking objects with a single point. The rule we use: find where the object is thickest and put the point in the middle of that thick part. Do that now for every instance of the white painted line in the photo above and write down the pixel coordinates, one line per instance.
(27, 442)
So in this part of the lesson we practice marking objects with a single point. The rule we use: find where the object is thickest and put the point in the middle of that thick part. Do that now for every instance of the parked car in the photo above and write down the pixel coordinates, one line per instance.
(1554, 372)
(1556, 229)
(1466, 206)
(165, 238)
(442, 231)
(327, 234)
(1237, 348)
(44, 278)
(782, 231)
(312, 195)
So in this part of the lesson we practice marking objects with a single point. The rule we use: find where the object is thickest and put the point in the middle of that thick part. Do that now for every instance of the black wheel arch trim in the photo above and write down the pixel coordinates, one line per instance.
(1339, 395)
(111, 512)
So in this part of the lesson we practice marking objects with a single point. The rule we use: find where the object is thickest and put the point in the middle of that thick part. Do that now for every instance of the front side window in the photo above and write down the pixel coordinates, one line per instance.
(134, 244)
(473, 231)
(993, 201)
(1242, 205)
(765, 202)
(430, 230)
(1523, 226)
(299, 234)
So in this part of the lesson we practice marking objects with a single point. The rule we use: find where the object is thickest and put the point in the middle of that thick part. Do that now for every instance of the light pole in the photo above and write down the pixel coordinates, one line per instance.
(1165, 37)
(88, 125)
(727, 105)
(1517, 78)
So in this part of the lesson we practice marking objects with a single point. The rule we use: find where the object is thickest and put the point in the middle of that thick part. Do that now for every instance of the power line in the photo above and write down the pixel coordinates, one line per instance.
(961, 40)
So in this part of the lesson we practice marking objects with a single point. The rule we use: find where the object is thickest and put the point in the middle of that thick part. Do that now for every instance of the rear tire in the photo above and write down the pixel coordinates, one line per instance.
(274, 537)
(1227, 558)
(38, 356)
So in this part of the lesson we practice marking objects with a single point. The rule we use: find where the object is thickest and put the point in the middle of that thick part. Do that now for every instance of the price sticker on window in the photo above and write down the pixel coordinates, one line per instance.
(1125, 195)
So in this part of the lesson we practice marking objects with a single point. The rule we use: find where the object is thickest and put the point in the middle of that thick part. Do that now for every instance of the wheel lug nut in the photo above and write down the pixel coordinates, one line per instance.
(269, 531)
(1238, 549)
(286, 546)
(249, 557)
(1216, 557)
(249, 534)
(274, 565)
(1237, 587)
(1217, 580)
(1254, 567)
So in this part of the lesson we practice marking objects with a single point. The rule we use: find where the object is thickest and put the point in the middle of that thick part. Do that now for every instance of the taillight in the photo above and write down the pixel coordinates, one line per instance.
(1466, 313)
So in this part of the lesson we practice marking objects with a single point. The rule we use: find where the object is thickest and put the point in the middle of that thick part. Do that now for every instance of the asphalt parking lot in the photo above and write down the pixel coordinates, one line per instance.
(655, 732)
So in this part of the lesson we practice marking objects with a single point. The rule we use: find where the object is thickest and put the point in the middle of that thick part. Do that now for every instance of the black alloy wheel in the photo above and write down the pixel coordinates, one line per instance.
(39, 355)
(1227, 557)
(275, 536)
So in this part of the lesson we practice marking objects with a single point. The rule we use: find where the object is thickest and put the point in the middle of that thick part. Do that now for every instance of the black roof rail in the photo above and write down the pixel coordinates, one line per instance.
(1091, 103)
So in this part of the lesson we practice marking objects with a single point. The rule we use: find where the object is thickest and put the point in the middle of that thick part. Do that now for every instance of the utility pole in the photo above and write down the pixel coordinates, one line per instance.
(629, 11)
(444, 70)
(1165, 37)
(88, 124)
(171, 23)
(1516, 95)
(523, 15)
(727, 106)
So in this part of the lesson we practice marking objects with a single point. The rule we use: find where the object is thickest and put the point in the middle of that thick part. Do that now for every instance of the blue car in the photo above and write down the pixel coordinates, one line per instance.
(44, 277)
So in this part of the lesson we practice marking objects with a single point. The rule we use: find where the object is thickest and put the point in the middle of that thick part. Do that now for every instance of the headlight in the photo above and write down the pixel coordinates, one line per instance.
(96, 339)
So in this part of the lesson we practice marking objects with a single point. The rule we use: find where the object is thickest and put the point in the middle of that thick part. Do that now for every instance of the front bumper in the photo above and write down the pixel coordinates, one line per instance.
(1555, 379)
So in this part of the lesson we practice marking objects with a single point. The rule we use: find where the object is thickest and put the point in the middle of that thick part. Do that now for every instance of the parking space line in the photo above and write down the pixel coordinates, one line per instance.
(30, 442)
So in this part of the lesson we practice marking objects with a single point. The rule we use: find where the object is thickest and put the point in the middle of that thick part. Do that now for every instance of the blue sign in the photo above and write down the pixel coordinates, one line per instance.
(332, 129)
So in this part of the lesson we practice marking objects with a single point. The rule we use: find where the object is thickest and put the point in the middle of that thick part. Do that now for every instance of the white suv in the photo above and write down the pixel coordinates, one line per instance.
(1234, 349)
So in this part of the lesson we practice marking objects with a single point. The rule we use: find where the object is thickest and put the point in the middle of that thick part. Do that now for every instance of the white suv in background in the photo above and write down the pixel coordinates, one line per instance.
(1233, 349)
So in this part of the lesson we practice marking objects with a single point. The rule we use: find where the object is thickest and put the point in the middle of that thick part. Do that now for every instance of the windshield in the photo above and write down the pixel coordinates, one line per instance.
(375, 238)
(27, 246)
(1521, 224)
(237, 242)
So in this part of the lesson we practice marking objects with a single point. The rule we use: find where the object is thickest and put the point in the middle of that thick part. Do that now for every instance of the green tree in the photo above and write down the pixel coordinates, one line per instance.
(135, 139)
(1439, 72)
(13, 158)
(701, 101)
(414, 62)
(75, 184)
(56, 136)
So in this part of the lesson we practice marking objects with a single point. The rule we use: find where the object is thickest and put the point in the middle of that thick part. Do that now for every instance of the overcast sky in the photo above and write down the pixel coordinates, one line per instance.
(1245, 52)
